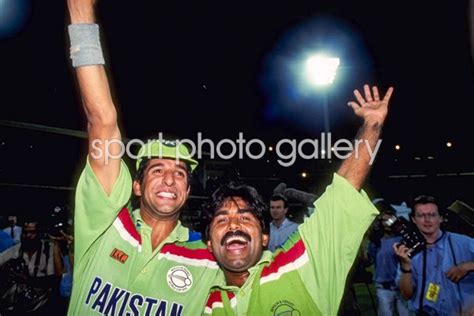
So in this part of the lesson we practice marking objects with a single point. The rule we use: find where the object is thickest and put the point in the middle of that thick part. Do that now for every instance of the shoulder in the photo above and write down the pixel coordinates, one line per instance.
(459, 238)
(193, 253)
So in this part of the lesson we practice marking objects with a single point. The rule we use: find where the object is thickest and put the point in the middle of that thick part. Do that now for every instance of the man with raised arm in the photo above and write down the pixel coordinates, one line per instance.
(306, 276)
(129, 262)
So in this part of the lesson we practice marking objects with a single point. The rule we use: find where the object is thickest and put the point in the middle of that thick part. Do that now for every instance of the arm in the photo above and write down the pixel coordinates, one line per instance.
(342, 208)
(406, 284)
(373, 111)
(457, 273)
(58, 260)
(99, 107)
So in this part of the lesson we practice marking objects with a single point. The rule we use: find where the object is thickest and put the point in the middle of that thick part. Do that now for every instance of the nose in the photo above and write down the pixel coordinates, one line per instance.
(234, 223)
(168, 178)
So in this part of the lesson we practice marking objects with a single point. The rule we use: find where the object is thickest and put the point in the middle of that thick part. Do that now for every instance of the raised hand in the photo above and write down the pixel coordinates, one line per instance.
(369, 107)
(403, 254)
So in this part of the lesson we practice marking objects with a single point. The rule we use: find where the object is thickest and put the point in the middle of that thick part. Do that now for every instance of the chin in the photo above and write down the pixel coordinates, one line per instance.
(236, 266)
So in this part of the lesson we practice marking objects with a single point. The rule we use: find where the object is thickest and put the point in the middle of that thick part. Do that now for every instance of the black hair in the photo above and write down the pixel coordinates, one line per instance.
(385, 207)
(280, 197)
(424, 199)
(249, 194)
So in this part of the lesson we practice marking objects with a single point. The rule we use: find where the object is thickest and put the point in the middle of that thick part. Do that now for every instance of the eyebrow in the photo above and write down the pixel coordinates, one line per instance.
(221, 212)
(239, 211)
(160, 164)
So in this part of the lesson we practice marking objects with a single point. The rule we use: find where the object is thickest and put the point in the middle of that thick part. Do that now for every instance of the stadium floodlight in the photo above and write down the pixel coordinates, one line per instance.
(321, 70)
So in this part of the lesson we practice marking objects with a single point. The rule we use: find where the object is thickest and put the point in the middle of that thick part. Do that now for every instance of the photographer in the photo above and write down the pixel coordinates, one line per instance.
(28, 271)
(439, 280)
(382, 239)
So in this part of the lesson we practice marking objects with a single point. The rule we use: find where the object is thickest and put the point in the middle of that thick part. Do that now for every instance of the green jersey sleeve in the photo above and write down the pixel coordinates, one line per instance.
(332, 236)
(94, 210)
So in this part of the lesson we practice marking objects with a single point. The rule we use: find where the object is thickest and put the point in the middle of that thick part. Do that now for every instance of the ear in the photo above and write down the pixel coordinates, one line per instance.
(188, 191)
(209, 246)
(285, 210)
(137, 188)
(265, 239)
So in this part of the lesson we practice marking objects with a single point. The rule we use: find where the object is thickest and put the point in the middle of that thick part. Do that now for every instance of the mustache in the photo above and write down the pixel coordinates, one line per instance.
(235, 233)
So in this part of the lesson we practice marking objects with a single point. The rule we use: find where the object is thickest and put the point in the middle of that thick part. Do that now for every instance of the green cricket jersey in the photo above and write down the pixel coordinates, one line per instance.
(307, 275)
(116, 272)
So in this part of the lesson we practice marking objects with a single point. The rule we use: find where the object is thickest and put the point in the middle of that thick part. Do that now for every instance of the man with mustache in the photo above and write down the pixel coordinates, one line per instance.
(306, 276)
(129, 261)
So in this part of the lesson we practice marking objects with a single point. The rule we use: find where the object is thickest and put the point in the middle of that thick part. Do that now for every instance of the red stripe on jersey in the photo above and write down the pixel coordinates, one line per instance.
(127, 222)
(284, 258)
(214, 297)
(187, 252)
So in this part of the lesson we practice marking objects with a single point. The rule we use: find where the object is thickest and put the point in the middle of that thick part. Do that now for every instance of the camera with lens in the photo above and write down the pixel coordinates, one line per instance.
(411, 236)
(58, 221)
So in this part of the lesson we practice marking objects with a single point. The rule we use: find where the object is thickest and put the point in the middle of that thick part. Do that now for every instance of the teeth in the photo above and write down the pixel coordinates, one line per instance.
(236, 238)
(167, 195)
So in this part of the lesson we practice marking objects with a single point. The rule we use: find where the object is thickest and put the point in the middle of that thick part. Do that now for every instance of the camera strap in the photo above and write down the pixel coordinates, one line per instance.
(423, 285)
(455, 263)
(37, 260)
(45, 247)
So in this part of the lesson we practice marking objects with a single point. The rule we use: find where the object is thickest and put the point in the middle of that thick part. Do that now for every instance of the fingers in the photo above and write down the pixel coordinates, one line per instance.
(375, 92)
(368, 95)
(456, 273)
(359, 97)
(372, 96)
(452, 275)
(388, 95)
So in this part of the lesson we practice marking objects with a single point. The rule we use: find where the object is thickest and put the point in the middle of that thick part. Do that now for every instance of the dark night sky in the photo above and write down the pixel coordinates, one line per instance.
(161, 55)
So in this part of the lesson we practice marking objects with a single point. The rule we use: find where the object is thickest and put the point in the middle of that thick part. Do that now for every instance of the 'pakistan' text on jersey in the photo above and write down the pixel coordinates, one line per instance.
(307, 275)
(116, 272)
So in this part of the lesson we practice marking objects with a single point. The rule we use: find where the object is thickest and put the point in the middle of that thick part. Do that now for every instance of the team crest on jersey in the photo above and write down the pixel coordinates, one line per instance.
(179, 279)
(284, 307)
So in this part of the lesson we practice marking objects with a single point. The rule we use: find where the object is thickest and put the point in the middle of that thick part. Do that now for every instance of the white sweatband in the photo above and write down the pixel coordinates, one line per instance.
(85, 45)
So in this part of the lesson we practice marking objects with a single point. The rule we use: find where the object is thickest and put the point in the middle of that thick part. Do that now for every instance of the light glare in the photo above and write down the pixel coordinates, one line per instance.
(321, 70)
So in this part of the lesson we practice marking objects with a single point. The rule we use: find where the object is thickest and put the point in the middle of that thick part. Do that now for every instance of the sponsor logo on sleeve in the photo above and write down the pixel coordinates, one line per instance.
(119, 255)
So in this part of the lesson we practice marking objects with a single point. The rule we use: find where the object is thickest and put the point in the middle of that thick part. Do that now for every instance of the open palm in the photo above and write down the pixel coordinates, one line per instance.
(370, 107)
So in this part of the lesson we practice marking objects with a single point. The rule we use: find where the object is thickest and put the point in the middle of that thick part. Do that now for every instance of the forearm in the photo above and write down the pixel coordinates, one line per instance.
(58, 262)
(468, 266)
(406, 286)
(357, 166)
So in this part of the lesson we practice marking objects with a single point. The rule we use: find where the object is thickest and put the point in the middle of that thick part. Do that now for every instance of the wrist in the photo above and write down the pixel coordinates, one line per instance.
(373, 123)
(81, 15)
(405, 269)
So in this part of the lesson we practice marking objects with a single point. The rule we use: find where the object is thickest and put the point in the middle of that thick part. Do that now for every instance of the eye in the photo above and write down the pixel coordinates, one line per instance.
(157, 171)
(180, 174)
(245, 218)
(220, 219)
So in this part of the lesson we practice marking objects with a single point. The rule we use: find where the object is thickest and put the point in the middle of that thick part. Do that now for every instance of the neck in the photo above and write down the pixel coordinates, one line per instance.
(160, 227)
(432, 238)
(236, 278)
(278, 222)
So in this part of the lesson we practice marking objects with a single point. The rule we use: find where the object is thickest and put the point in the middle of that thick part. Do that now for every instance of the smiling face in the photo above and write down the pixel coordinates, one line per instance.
(236, 238)
(164, 188)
